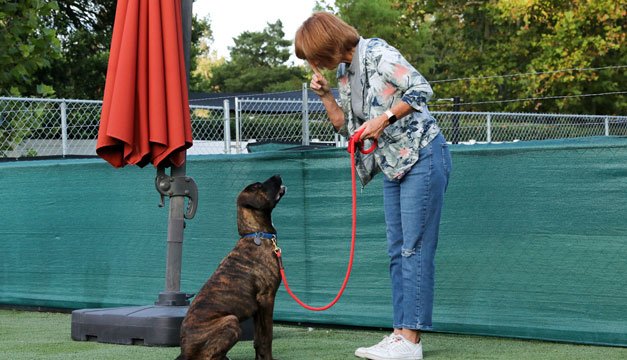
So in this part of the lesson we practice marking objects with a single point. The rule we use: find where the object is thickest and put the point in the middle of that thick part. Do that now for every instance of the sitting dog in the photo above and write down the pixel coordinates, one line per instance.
(244, 284)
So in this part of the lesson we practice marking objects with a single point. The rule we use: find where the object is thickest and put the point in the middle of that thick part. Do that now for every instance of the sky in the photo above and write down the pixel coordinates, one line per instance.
(229, 18)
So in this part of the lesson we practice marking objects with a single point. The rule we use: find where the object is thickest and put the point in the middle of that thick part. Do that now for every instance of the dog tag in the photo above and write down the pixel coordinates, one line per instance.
(257, 240)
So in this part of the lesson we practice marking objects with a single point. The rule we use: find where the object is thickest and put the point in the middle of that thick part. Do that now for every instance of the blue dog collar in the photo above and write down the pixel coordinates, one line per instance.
(259, 235)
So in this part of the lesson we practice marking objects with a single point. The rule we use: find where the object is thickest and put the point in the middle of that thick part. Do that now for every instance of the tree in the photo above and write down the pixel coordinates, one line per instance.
(84, 29)
(399, 22)
(258, 64)
(202, 59)
(26, 46)
(455, 39)
(569, 34)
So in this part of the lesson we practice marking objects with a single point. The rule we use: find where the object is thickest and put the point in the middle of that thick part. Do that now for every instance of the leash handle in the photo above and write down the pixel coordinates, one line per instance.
(354, 141)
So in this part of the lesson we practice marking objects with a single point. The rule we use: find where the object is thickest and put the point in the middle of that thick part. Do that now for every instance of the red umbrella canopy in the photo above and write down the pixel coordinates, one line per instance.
(145, 111)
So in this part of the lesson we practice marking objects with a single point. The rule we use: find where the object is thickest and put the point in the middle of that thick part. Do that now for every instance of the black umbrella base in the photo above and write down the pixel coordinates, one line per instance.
(131, 325)
(136, 325)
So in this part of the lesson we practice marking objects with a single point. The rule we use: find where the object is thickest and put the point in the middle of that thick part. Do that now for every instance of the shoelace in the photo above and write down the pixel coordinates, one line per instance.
(401, 342)
(387, 340)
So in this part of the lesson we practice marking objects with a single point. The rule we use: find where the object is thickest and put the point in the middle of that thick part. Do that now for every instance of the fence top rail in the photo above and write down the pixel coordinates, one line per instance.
(4, 98)
(526, 114)
(206, 107)
(282, 101)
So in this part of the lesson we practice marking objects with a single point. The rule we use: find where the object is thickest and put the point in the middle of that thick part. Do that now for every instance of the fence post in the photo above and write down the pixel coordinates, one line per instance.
(607, 126)
(455, 139)
(64, 127)
(237, 126)
(305, 116)
(227, 127)
(489, 128)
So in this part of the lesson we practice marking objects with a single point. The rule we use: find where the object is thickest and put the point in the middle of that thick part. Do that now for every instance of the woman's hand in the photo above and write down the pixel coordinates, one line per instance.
(319, 83)
(373, 127)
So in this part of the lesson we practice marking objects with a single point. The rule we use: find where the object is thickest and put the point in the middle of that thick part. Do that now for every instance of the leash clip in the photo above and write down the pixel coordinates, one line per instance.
(277, 250)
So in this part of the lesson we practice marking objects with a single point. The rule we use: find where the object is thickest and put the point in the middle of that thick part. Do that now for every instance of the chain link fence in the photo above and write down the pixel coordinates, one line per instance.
(59, 127)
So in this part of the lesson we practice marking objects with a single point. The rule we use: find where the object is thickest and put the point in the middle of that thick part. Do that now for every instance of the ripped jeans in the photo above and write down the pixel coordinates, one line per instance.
(412, 215)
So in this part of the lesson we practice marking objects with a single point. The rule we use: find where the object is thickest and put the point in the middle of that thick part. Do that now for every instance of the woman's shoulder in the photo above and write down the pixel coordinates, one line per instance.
(374, 43)
(376, 48)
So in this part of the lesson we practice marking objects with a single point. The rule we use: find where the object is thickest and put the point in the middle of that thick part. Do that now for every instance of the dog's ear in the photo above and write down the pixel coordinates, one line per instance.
(253, 197)
(252, 201)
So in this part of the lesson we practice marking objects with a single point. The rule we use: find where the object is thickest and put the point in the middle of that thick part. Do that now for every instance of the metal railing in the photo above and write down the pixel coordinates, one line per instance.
(61, 127)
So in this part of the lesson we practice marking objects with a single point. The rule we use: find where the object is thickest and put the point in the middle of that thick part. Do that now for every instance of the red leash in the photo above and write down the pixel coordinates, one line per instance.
(353, 142)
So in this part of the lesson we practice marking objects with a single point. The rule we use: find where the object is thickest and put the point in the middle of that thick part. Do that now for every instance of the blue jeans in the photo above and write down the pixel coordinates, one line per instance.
(412, 207)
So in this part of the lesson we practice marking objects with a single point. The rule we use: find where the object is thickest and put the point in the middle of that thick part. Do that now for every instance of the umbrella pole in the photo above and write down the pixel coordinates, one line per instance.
(176, 221)
(177, 187)
(176, 226)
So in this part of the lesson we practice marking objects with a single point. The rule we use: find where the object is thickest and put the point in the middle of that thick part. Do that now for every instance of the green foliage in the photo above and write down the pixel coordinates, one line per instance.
(570, 34)
(395, 22)
(466, 38)
(200, 55)
(17, 126)
(61, 48)
(258, 64)
(84, 28)
(26, 46)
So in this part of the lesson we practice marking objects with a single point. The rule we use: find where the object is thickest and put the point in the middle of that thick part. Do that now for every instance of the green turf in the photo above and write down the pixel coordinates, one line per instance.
(38, 335)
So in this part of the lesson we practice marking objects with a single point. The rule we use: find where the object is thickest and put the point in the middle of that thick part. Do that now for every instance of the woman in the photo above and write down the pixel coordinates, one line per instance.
(383, 94)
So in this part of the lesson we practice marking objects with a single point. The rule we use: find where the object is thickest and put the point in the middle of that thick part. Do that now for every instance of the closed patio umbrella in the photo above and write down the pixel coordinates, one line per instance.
(145, 111)
(145, 119)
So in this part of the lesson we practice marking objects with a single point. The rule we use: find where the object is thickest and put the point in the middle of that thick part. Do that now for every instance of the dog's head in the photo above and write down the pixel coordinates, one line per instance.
(262, 196)
(255, 204)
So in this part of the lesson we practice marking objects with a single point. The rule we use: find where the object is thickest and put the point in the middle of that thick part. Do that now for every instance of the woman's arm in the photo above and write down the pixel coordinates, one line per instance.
(403, 77)
(400, 74)
(320, 86)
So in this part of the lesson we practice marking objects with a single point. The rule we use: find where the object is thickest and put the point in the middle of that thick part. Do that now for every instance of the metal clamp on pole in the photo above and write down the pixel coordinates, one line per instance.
(177, 186)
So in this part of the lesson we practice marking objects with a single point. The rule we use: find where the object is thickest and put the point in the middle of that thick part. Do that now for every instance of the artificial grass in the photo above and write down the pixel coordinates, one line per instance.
(38, 335)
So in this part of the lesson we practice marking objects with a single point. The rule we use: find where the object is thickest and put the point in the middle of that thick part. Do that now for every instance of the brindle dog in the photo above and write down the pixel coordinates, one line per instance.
(244, 284)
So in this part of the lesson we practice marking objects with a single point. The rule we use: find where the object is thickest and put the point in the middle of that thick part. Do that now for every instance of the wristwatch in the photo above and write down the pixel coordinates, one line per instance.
(391, 117)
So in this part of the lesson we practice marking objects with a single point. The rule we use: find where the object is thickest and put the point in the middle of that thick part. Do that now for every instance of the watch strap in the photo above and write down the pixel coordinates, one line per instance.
(391, 117)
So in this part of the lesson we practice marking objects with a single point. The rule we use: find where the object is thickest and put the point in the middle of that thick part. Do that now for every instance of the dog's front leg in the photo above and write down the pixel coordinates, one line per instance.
(263, 329)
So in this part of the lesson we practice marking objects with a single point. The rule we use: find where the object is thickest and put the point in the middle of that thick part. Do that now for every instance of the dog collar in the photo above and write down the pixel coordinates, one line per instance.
(259, 235)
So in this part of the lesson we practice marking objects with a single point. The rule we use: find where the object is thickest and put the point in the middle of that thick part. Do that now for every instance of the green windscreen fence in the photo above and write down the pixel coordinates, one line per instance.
(533, 241)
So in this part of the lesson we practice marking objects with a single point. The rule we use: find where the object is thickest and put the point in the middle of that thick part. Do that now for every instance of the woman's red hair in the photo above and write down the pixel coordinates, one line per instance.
(324, 39)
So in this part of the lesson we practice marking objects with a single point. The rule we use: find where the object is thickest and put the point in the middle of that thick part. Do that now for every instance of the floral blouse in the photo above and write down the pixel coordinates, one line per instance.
(387, 78)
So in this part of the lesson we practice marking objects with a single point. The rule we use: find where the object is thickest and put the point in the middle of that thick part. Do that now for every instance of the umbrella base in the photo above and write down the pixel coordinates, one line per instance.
(136, 325)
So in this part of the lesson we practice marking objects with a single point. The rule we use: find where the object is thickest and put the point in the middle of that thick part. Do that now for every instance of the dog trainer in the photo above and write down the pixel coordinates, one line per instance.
(381, 92)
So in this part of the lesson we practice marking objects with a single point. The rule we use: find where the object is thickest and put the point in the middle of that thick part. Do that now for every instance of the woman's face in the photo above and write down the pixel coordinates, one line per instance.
(327, 64)
(331, 64)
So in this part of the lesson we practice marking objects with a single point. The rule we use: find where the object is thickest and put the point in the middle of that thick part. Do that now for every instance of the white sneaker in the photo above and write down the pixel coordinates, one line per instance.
(365, 352)
(398, 349)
